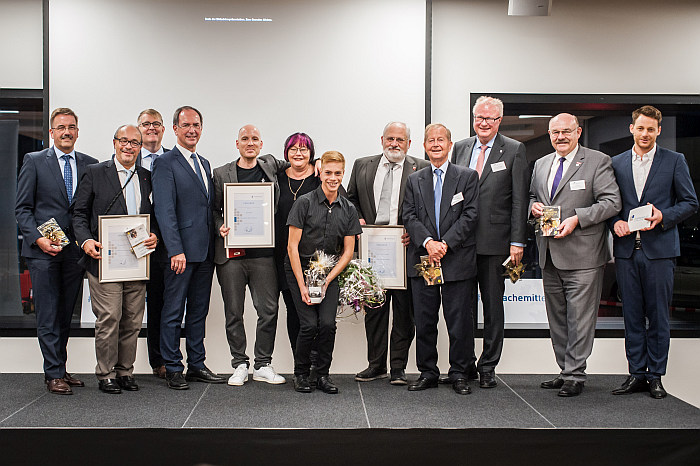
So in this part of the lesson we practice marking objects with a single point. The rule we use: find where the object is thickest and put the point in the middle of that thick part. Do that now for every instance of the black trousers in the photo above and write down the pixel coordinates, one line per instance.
(402, 331)
(492, 286)
(316, 323)
(155, 288)
(460, 325)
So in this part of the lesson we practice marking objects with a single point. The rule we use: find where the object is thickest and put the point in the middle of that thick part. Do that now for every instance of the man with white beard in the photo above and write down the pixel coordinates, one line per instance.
(376, 188)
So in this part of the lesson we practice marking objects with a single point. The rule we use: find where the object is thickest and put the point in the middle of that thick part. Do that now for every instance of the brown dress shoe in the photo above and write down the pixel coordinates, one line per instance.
(72, 381)
(58, 387)
(159, 372)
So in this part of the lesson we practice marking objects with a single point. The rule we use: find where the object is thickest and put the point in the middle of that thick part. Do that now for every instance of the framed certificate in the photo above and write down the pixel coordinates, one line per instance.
(249, 210)
(381, 247)
(118, 262)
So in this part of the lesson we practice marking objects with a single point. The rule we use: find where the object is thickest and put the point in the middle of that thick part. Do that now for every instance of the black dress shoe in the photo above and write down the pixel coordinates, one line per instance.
(656, 390)
(203, 375)
(325, 384)
(556, 382)
(487, 380)
(571, 388)
(302, 384)
(371, 373)
(176, 380)
(109, 386)
(461, 387)
(72, 381)
(422, 383)
(398, 377)
(444, 380)
(632, 385)
(127, 382)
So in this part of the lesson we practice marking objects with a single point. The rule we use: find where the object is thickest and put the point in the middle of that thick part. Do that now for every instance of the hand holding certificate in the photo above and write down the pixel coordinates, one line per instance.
(637, 219)
(138, 236)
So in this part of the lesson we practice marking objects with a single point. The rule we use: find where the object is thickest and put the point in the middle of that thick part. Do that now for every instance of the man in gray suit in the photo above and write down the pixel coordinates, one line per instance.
(501, 232)
(252, 266)
(376, 188)
(582, 182)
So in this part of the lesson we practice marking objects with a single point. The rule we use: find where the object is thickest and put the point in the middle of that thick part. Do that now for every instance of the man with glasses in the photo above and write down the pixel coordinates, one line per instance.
(150, 123)
(254, 267)
(376, 188)
(182, 194)
(45, 188)
(114, 187)
(581, 182)
(501, 232)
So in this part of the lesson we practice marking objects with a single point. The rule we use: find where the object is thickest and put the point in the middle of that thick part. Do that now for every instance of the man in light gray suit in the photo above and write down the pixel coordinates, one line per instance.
(376, 188)
(582, 182)
(252, 266)
(501, 232)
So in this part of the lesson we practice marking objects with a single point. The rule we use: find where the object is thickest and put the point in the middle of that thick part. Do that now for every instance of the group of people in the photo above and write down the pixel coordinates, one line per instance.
(467, 213)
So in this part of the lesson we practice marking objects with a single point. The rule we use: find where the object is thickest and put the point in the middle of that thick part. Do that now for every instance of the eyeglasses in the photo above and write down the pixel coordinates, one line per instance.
(187, 126)
(300, 150)
(393, 139)
(488, 120)
(125, 141)
(63, 128)
(563, 132)
(155, 124)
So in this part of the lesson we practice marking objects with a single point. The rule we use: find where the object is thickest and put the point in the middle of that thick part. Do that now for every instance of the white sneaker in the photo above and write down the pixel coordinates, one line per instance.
(267, 374)
(240, 375)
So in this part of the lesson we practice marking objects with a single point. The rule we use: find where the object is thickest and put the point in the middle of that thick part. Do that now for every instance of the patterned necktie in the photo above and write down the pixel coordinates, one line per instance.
(199, 173)
(438, 199)
(68, 177)
(557, 177)
(385, 197)
(480, 160)
(130, 194)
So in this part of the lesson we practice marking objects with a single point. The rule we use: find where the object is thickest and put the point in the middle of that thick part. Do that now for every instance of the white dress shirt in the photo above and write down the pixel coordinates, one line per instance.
(477, 150)
(147, 157)
(73, 165)
(382, 170)
(188, 156)
(124, 174)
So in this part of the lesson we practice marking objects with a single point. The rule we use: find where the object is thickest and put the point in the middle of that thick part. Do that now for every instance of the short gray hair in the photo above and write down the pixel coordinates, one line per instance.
(392, 123)
(491, 102)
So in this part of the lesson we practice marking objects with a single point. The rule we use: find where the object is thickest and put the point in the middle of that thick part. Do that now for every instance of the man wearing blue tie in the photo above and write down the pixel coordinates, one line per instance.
(150, 123)
(440, 215)
(182, 195)
(45, 188)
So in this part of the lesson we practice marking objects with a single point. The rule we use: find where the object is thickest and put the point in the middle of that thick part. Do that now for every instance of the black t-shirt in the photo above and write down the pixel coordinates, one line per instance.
(323, 226)
(253, 175)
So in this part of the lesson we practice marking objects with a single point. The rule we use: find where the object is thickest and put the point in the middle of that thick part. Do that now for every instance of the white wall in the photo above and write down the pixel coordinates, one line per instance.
(21, 45)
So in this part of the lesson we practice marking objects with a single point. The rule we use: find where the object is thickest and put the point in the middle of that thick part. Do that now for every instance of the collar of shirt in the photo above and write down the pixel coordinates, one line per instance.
(321, 196)
(147, 153)
(477, 149)
(121, 167)
(649, 156)
(383, 161)
(568, 157)
(442, 167)
(60, 153)
(185, 152)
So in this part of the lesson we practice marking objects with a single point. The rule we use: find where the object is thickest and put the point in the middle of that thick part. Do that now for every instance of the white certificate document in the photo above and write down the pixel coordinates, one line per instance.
(382, 255)
(118, 251)
(636, 221)
(248, 214)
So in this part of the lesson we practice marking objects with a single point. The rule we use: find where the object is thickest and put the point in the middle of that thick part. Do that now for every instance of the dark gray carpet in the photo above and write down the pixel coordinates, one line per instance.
(517, 402)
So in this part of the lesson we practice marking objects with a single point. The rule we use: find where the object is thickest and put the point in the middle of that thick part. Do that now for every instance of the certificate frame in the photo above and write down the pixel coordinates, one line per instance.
(385, 241)
(115, 226)
(255, 232)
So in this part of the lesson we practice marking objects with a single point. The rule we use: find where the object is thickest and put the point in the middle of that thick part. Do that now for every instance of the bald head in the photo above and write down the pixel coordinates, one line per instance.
(564, 133)
(249, 142)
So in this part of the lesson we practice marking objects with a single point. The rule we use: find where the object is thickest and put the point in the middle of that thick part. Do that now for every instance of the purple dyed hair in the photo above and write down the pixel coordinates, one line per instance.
(301, 139)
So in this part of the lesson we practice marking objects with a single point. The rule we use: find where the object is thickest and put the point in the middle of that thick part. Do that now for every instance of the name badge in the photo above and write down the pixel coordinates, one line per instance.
(459, 197)
(577, 185)
(497, 167)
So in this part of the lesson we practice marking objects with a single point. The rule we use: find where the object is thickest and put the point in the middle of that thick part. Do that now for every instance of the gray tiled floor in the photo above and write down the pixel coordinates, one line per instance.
(517, 402)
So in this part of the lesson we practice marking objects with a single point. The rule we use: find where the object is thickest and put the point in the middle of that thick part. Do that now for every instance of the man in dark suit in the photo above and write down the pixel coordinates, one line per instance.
(182, 193)
(376, 188)
(114, 187)
(501, 232)
(581, 182)
(150, 123)
(251, 266)
(440, 214)
(45, 187)
(645, 259)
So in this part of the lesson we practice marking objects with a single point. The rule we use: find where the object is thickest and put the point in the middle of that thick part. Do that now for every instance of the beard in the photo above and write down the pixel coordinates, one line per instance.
(394, 155)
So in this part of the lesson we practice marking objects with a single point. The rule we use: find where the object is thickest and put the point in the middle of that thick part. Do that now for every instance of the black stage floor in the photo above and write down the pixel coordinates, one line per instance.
(515, 423)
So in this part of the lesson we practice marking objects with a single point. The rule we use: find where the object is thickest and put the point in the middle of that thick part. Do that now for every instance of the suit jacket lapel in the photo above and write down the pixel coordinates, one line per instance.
(573, 168)
(658, 161)
(188, 168)
(449, 186)
(627, 175)
(370, 173)
(495, 156)
(409, 166)
(425, 184)
(145, 190)
(115, 185)
(232, 173)
(543, 175)
(55, 169)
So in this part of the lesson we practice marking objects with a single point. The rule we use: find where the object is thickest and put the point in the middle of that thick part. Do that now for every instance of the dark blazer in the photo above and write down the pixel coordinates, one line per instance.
(41, 194)
(138, 158)
(670, 188)
(182, 206)
(361, 186)
(503, 194)
(228, 174)
(99, 185)
(457, 220)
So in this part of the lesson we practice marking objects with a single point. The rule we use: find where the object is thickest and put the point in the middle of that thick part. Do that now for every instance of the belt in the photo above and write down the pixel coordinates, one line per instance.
(638, 244)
